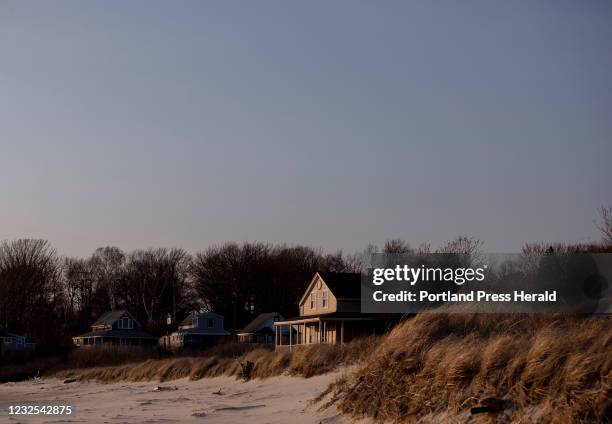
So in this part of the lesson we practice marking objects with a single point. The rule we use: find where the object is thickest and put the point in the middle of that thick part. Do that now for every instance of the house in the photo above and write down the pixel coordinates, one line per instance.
(197, 330)
(261, 329)
(13, 343)
(116, 328)
(330, 312)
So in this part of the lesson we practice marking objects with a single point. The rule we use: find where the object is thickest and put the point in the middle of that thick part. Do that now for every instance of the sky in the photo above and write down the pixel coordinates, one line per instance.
(333, 124)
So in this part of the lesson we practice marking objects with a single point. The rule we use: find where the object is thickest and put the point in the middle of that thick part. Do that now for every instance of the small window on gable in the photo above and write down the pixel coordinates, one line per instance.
(125, 323)
(211, 324)
(325, 298)
(313, 301)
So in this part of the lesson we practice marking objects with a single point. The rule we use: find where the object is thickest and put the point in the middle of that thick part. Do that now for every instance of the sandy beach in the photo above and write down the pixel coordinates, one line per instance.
(280, 399)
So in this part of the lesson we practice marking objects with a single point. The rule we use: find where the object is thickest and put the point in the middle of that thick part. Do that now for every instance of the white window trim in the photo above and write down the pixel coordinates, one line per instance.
(125, 325)
(325, 299)
(313, 300)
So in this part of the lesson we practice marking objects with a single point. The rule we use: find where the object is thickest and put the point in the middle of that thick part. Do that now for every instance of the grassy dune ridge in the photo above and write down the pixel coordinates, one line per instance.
(551, 369)
(225, 360)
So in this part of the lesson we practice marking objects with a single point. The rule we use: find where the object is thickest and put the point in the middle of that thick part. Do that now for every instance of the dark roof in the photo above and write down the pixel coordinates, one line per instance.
(335, 315)
(110, 317)
(343, 284)
(6, 334)
(259, 321)
(188, 319)
(193, 315)
(120, 334)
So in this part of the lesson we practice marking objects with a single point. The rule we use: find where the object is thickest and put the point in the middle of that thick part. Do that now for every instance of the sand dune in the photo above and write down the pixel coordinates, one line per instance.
(280, 399)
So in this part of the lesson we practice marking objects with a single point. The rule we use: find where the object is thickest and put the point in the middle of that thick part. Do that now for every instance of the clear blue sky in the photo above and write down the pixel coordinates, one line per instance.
(333, 124)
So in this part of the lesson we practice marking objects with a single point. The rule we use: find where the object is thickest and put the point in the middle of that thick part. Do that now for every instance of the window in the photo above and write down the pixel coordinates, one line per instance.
(125, 323)
(325, 298)
(211, 324)
(313, 301)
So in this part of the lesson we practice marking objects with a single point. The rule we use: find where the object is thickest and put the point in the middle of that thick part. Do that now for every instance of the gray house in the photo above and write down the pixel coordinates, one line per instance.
(116, 328)
(13, 343)
(261, 329)
(197, 330)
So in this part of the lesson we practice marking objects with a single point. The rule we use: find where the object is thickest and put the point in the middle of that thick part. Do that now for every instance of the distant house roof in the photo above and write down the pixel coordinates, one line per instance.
(6, 334)
(110, 317)
(189, 319)
(119, 334)
(259, 322)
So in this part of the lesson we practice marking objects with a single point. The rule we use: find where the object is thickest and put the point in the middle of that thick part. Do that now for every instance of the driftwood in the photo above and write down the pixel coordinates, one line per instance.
(247, 370)
(163, 388)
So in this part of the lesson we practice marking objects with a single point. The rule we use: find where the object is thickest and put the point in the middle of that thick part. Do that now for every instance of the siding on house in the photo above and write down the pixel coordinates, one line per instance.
(317, 289)
(205, 323)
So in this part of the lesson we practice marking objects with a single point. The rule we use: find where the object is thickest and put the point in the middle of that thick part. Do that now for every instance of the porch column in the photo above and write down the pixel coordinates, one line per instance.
(320, 331)
(325, 332)
(290, 335)
(341, 332)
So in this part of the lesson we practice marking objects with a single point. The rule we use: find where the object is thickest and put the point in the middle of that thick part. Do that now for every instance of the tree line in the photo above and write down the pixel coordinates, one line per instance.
(52, 298)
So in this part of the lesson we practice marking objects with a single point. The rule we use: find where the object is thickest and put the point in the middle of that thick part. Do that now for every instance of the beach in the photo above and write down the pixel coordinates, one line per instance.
(281, 399)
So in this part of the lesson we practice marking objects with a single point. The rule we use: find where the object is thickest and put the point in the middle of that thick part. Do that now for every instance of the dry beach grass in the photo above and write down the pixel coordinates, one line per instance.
(546, 369)
(225, 361)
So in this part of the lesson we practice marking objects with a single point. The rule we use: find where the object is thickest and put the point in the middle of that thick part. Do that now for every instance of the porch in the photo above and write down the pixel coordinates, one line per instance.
(334, 328)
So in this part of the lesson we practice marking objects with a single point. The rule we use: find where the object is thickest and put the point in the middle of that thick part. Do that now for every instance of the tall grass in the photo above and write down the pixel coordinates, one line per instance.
(558, 367)
(226, 359)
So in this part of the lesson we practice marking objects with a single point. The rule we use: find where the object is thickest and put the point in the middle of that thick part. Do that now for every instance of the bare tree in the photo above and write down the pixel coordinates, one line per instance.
(462, 245)
(79, 290)
(397, 247)
(106, 267)
(605, 224)
(240, 281)
(30, 287)
(154, 282)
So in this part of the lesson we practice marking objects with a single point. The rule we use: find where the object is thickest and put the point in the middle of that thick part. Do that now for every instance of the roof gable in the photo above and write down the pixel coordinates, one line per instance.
(189, 319)
(260, 321)
(7, 334)
(343, 285)
(111, 317)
